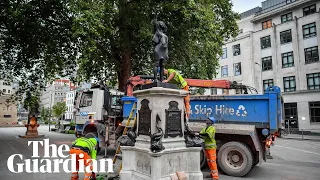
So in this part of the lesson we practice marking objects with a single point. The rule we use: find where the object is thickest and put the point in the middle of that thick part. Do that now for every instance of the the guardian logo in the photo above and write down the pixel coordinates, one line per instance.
(45, 165)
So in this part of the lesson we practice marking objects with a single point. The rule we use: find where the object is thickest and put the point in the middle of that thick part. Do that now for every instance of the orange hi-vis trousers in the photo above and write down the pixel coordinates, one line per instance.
(187, 101)
(211, 159)
(86, 156)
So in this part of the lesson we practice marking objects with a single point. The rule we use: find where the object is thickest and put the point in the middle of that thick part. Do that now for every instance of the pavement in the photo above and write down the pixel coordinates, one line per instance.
(292, 159)
(302, 137)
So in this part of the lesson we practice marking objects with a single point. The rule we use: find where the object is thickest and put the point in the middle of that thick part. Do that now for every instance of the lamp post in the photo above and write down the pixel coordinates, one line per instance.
(50, 109)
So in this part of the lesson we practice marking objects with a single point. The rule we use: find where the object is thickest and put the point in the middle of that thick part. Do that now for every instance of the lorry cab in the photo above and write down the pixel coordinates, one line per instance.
(94, 106)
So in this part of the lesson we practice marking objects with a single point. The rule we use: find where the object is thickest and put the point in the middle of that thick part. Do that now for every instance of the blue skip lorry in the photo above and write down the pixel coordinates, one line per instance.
(246, 123)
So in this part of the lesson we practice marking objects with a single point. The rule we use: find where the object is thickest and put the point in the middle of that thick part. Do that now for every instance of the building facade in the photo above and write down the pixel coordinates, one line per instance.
(55, 92)
(278, 44)
(8, 109)
(70, 104)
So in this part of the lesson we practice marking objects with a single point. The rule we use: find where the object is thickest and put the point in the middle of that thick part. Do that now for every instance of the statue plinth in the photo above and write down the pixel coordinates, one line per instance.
(160, 148)
(32, 129)
(159, 84)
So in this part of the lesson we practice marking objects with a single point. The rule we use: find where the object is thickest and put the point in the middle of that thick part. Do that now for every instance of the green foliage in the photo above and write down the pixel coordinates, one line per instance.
(36, 42)
(59, 109)
(121, 38)
(70, 132)
(109, 40)
(72, 123)
(32, 101)
(45, 114)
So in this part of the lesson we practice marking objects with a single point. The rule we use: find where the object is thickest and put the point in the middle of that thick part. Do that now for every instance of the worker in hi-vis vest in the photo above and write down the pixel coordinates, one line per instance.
(208, 135)
(87, 147)
(175, 77)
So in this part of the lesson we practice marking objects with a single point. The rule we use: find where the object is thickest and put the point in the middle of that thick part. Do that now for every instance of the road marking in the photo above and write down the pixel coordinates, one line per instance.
(298, 150)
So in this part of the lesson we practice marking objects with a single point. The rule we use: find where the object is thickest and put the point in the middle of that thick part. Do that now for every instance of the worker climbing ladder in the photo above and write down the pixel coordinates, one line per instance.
(133, 117)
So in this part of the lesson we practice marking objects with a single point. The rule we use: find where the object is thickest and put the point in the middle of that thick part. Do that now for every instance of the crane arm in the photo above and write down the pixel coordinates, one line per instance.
(224, 84)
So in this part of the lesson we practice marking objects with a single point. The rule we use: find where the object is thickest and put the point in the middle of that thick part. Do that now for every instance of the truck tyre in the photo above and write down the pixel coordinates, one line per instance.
(235, 159)
(92, 135)
(203, 159)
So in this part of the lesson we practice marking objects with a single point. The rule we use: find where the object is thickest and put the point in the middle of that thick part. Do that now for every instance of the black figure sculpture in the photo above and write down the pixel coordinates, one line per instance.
(160, 40)
(156, 144)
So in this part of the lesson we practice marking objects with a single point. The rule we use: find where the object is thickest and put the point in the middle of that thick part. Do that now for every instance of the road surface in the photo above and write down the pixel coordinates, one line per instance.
(293, 159)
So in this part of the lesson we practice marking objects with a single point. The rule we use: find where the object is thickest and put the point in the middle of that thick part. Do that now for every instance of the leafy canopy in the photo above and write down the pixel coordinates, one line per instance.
(45, 114)
(59, 109)
(109, 39)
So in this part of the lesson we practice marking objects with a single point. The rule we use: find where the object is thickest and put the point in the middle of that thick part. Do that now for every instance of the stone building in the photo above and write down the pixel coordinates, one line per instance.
(278, 44)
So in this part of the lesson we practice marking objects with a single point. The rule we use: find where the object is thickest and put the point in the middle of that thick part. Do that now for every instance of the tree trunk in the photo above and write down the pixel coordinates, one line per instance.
(125, 71)
(125, 47)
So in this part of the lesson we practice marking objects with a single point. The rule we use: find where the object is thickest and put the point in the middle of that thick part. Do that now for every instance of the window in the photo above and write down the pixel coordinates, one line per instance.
(236, 50)
(309, 30)
(224, 55)
(290, 111)
(311, 55)
(289, 83)
(224, 71)
(267, 83)
(290, 1)
(309, 10)
(7, 116)
(4, 90)
(287, 59)
(267, 63)
(237, 69)
(313, 81)
(286, 17)
(267, 24)
(314, 108)
(9, 91)
(285, 36)
(86, 99)
(265, 42)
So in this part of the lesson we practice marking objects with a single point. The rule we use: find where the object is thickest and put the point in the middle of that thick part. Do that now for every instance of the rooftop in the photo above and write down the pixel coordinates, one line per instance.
(270, 5)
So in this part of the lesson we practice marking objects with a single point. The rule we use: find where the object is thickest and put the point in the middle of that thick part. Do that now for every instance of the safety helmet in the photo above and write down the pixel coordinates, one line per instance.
(212, 119)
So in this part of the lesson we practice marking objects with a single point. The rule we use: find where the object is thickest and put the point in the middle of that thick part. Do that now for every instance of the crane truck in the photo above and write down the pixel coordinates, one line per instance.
(246, 123)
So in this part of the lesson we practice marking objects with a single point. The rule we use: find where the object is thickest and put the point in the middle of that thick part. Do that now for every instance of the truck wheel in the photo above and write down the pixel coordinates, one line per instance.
(203, 159)
(92, 135)
(235, 159)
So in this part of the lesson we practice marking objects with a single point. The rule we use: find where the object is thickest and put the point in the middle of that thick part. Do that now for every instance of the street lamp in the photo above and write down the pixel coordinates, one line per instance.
(50, 108)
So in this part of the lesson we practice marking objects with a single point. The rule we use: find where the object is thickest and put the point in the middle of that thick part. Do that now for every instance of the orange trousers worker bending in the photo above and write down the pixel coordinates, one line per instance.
(84, 149)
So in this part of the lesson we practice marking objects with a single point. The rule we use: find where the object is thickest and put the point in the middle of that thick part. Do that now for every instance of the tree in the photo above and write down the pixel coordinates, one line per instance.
(32, 102)
(59, 109)
(117, 35)
(109, 39)
(45, 114)
(36, 42)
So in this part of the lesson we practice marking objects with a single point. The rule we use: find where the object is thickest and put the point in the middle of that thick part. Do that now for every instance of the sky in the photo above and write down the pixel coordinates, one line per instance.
(241, 6)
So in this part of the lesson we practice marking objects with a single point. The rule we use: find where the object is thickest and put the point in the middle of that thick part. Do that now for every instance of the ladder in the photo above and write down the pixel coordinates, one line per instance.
(133, 117)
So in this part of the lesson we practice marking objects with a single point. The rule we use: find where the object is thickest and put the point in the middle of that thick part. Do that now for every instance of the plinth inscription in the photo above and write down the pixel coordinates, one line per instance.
(144, 126)
(173, 120)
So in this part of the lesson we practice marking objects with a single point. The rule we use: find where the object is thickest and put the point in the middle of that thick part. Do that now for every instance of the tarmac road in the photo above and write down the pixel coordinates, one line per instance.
(292, 159)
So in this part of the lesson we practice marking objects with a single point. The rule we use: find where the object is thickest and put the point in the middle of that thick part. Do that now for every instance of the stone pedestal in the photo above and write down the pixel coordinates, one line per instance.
(32, 129)
(163, 107)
